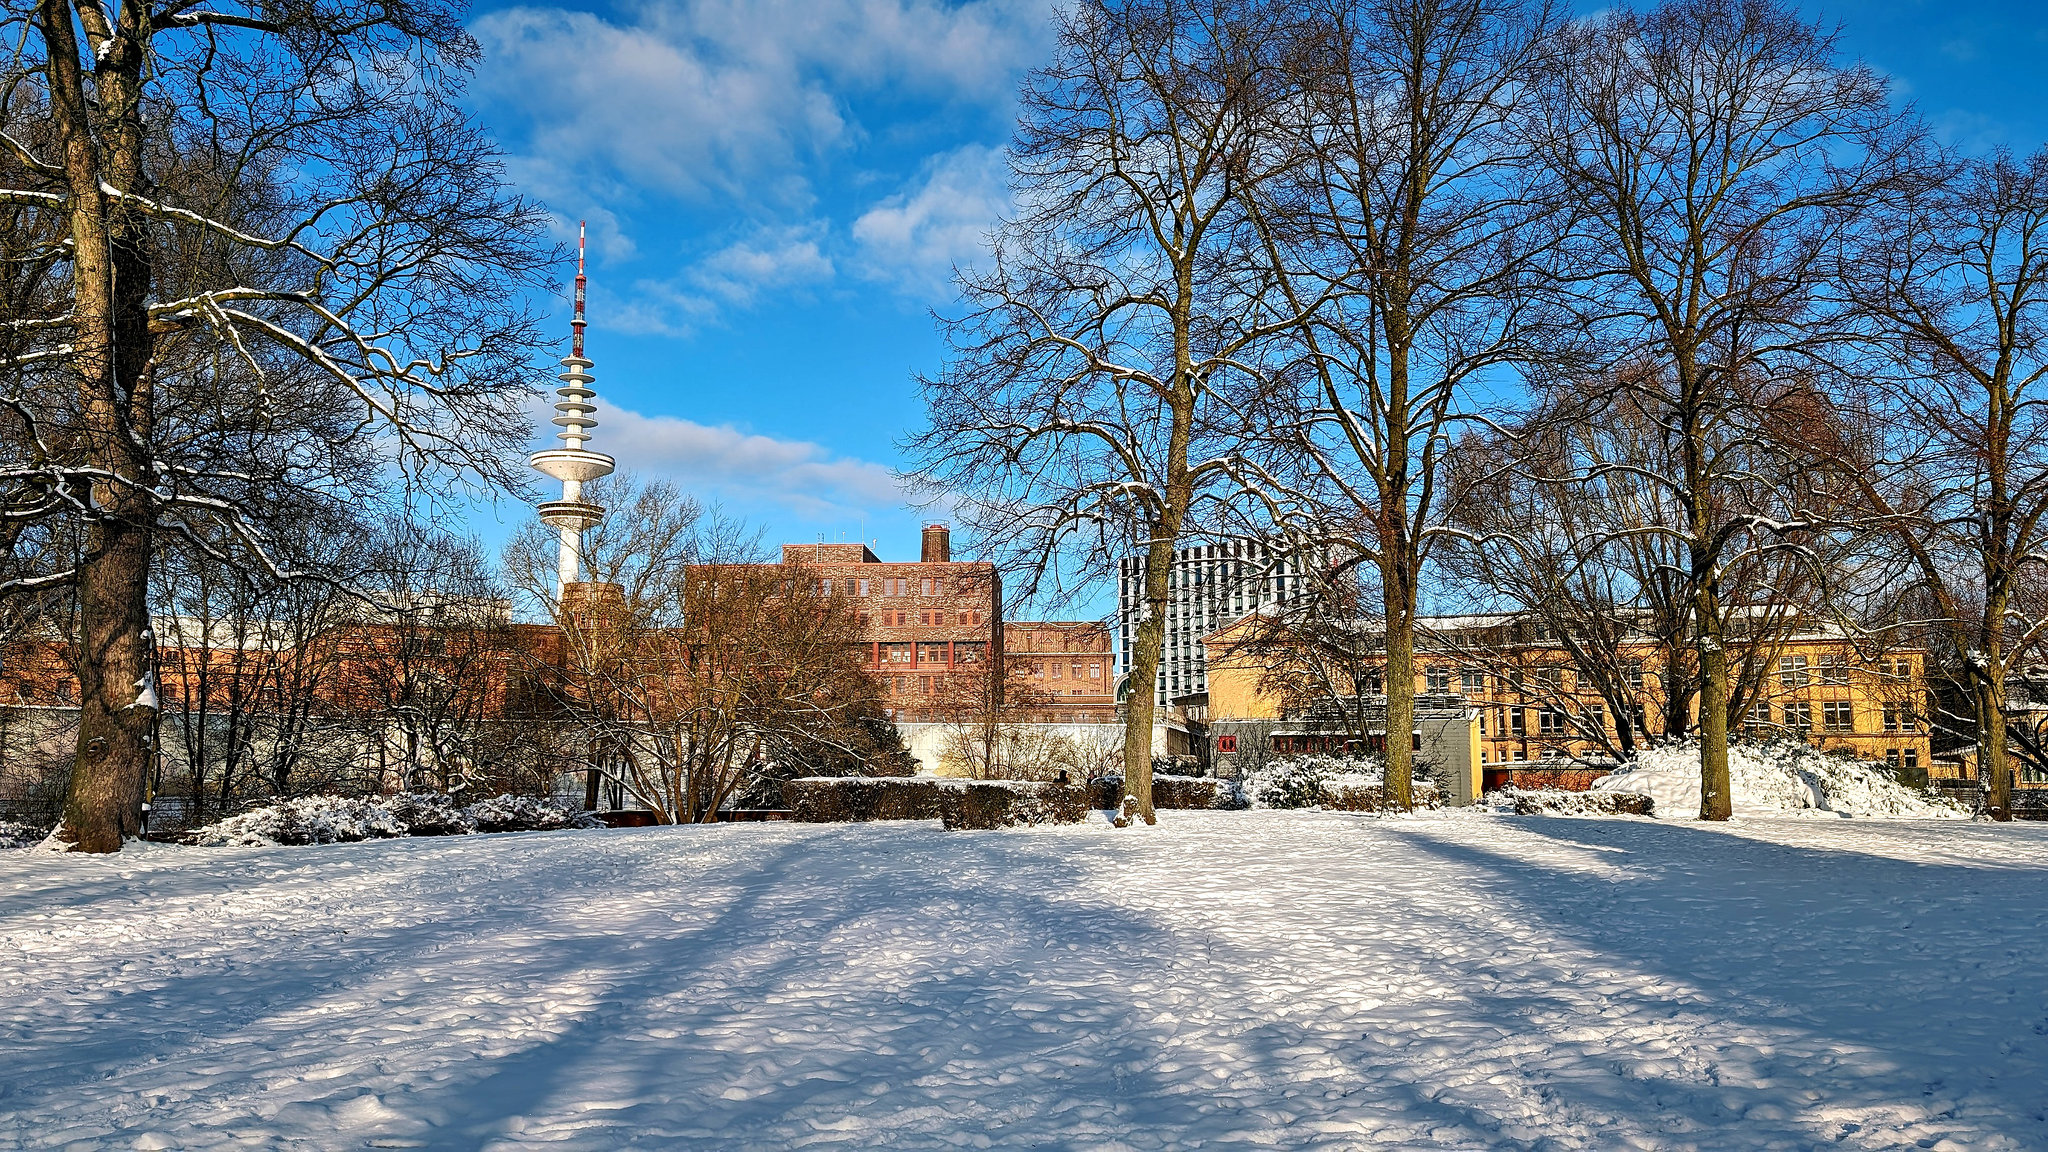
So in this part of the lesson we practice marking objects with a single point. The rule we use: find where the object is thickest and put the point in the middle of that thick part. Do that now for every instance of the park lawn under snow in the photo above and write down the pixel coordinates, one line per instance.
(1229, 979)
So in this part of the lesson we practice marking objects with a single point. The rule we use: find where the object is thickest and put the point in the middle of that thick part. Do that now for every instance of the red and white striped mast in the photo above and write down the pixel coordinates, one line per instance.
(573, 464)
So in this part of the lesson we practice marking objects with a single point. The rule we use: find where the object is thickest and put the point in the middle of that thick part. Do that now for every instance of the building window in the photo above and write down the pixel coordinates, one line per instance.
(1792, 672)
(931, 653)
(1550, 723)
(969, 652)
(1632, 672)
(1891, 718)
(1095, 671)
(1837, 716)
(825, 587)
(1474, 682)
(863, 587)
(1760, 714)
(1518, 722)
(927, 585)
(1550, 679)
(1055, 671)
(1596, 717)
(896, 653)
(1226, 744)
(1911, 759)
(1799, 716)
(1438, 679)
(1834, 670)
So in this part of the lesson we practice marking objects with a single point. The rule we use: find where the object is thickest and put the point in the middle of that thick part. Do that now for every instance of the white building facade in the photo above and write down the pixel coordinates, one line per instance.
(1210, 586)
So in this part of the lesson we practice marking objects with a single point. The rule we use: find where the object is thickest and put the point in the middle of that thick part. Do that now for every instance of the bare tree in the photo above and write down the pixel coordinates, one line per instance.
(689, 672)
(1094, 397)
(1712, 151)
(276, 261)
(1405, 246)
(1953, 292)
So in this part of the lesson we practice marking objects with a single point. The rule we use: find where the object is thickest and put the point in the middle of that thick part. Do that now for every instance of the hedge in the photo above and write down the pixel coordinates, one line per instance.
(957, 804)
(1167, 792)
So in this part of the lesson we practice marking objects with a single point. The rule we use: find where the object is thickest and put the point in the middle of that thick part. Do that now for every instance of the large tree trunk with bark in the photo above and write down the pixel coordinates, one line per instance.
(1139, 705)
(1400, 770)
(1717, 800)
(112, 357)
(1994, 761)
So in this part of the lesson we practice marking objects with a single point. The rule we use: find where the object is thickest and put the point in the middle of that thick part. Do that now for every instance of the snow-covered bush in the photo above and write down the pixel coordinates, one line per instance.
(345, 819)
(1289, 782)
(1557, 802)
(430, 814)
(1344, 784)
(13, 835)
(524, 814)
(305, 820)
(1775, 779)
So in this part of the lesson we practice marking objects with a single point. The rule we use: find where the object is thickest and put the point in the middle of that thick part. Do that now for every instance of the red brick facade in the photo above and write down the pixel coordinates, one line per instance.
(1067, 668)
(933, 629)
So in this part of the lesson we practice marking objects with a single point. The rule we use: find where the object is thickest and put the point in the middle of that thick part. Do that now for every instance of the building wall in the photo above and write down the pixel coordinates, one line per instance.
(1066, 667)
(1210, 586)
(1821, 690)
(933, 630)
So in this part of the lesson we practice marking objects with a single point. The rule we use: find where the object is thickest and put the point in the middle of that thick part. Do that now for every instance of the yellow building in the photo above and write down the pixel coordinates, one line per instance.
(1535, 708)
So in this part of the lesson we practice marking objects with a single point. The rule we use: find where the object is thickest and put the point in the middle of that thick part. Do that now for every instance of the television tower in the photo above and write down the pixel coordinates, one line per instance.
(573, 464)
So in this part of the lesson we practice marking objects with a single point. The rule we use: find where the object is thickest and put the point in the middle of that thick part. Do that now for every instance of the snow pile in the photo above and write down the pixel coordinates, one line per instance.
(346, 819)
(14, 835)
(1773, 779)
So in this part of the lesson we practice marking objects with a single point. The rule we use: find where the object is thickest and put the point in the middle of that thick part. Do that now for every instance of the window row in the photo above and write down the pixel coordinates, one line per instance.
(897, 586)
(927, 617)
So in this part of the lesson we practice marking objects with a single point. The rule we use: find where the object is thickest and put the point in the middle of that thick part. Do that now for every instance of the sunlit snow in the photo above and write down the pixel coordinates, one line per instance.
(1227, 980)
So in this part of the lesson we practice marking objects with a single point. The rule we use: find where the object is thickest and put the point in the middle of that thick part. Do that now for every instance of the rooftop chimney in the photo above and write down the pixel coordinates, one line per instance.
(938, 544)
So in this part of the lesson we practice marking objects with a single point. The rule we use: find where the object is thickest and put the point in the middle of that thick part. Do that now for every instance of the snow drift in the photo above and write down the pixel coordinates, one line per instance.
(1775, 779)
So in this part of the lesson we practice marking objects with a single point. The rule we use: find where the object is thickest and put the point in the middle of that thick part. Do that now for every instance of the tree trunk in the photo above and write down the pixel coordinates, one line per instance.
(1139, 704)
(1994, 763)
(1400, 685)
(111, 356)
(1717, 800)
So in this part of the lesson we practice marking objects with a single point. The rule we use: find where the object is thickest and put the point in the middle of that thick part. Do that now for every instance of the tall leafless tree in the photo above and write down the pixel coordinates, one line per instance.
(1952, 287)
(1092, 402)
(1711, 151)
(1404, 243)
(278, 262)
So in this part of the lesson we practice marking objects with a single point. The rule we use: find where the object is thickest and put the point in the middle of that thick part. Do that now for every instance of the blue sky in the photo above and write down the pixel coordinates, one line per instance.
(776, 190)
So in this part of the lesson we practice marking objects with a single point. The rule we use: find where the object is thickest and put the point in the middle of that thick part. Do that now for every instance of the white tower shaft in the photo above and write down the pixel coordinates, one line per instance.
(573, 464)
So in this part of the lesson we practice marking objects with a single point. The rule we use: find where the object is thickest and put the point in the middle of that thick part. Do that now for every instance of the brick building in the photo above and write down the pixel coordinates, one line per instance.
(934, 628)
(1066, 667)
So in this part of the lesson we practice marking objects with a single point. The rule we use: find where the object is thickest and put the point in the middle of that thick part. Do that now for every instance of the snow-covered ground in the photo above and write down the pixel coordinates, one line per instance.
(1292, 979)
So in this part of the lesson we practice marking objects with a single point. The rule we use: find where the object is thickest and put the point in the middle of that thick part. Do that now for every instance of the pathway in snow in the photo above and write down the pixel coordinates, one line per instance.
(1239, 979)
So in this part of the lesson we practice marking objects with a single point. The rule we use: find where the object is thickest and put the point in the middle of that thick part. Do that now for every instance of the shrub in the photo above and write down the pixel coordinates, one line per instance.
(1556, 802)
(430, 814)
(13, 835)
(345, 819)
(1172, 792)
(957, 804)
(510, 813)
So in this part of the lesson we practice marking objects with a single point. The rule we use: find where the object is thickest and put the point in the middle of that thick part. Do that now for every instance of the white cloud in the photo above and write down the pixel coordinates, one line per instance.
(915, 237)
(727, 97)
(773, 258)
(745, 466)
